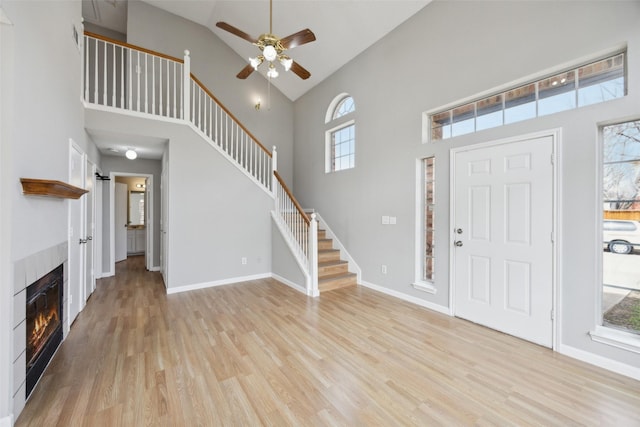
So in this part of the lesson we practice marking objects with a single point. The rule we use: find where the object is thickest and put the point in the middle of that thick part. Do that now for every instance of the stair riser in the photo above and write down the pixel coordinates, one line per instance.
(328, 256)
(325, 244)
(338, 283)
(332, 269)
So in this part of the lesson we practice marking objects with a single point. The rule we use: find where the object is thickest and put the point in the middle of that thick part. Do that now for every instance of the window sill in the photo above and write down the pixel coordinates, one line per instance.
(624, 340)
(425, 287)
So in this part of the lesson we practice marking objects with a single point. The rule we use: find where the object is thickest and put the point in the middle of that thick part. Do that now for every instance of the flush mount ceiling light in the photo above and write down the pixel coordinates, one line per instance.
(131, 154)
(272, 48)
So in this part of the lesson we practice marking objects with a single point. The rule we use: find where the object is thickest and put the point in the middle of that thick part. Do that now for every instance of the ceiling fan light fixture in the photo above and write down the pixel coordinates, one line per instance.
(269, 53)
(255, 62)
(272, 73)
(286, 62)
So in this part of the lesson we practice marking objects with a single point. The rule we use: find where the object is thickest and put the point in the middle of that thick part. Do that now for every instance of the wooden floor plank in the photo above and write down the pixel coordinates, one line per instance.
(260, 353)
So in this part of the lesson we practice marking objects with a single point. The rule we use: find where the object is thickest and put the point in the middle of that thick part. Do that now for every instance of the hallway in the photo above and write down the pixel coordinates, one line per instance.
(260, 353)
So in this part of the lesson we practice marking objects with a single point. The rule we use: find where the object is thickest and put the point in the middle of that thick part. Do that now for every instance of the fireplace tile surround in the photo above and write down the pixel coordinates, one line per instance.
(25, 272)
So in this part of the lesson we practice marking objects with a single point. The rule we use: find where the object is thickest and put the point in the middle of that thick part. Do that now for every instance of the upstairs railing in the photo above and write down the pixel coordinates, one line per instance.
(122, 76)
(302, 231)
(127, 77)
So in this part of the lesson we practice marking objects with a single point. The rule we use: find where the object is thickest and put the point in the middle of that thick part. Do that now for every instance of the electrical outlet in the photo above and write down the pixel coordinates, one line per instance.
(392, 220)
(385, 219)
(244, 261)
(383, 269)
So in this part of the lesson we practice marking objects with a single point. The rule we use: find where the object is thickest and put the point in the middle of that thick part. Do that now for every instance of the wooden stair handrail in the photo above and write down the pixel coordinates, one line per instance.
(226, 110)
(132, 46)
(195, 79)
(293, 199)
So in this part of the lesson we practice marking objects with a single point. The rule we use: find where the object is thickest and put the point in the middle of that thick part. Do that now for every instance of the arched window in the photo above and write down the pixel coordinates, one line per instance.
(340, 138)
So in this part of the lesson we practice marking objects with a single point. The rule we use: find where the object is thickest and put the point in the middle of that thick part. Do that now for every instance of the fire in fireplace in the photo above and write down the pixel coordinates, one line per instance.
(44, 323)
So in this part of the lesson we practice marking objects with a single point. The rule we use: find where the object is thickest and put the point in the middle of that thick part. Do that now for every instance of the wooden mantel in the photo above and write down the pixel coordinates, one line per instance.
(47, 187)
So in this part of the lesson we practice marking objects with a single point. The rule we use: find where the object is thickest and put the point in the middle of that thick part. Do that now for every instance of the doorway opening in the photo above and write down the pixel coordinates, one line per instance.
(131, 218)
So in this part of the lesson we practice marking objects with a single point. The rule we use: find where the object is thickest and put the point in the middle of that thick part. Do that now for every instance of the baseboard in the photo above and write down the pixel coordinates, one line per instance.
(600, 361)
(222, 282)
(289, 283)
(7, 421)
(408, 298)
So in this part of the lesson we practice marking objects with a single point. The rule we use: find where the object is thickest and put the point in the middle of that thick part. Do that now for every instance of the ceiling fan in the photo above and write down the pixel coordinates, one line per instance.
(272, 49)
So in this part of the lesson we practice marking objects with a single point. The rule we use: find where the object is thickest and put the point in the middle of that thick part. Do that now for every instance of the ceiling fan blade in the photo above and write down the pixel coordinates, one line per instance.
(298, 39)
(300, 71)
(233, 30)
(245, 72)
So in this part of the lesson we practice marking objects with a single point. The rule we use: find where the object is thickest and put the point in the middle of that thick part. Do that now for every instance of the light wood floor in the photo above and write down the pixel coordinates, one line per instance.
(260, 353)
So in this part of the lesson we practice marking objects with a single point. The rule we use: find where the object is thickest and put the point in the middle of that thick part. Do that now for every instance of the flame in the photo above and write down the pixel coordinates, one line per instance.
(41, 322)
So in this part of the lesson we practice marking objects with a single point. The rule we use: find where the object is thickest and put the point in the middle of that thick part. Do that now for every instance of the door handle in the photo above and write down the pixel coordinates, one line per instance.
(458, 243)
(82, 241)
(89, 238)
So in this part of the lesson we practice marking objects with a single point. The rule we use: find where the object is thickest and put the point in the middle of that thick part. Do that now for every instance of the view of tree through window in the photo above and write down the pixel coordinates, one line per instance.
(621, 226)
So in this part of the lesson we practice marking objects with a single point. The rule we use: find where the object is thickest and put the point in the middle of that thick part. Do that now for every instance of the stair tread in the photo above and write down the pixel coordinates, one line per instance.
(334, 276)
(328, 263)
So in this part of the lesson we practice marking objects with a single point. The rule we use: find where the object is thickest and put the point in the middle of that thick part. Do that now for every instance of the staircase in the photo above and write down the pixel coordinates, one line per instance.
(333, 272)
(126, 78)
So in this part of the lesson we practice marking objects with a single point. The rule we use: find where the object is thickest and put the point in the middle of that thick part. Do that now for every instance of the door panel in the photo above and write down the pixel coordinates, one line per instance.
(75, 300)
(120, 221)
(503, 217)
(89, 227)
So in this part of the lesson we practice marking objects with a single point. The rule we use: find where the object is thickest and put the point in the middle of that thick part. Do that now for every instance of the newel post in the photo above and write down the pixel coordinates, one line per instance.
(274, 167)
(313, 255)
(186, 87)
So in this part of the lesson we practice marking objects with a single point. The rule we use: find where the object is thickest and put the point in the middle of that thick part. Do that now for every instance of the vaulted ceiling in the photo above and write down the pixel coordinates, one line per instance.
(343, 28)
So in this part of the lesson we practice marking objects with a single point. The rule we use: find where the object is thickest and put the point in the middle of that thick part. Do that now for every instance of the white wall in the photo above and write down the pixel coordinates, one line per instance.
(447, 52)
(216, 66)
(217, 216)
(41, 111)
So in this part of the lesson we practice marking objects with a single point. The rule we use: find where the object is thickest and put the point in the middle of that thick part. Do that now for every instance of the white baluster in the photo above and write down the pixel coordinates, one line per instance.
(122, 49)
(138, 80)
(130, 80)
(186, 83)
(105, 78)
(153, 85)
(96, 84)
(146, 84)
(274, 164)
(313, 254)
(86, 72)
(113, 89)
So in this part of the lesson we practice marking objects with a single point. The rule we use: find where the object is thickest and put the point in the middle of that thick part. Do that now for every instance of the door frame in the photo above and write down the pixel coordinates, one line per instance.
(556, 267)
(148, 219)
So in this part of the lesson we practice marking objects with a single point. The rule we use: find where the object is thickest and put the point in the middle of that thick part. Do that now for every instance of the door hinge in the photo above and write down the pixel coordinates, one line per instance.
(552, 314)
(552, 237)
(552, 159)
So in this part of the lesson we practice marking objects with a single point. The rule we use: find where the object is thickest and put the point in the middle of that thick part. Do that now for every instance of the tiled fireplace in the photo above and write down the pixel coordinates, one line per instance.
(39, 309)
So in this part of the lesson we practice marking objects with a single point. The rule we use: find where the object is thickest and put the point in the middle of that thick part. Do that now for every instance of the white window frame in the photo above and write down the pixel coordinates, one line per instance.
(338, 124)
(600, 333)
(420, 283)
(328, 159)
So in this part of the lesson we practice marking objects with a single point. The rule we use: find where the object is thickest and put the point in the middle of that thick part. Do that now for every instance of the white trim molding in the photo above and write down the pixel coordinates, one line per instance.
(615, 338)
(289, 283)
(215, 283)
(422, 303)
(600, 361)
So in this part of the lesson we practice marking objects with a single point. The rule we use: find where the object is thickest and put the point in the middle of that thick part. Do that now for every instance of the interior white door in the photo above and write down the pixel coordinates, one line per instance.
(503, 223)
(164, 224)
(120, 221)
(89, 229)
(75, 300)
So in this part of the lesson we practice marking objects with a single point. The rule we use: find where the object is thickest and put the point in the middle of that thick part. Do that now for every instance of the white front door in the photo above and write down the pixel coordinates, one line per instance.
(120, 221)
(502, 232)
